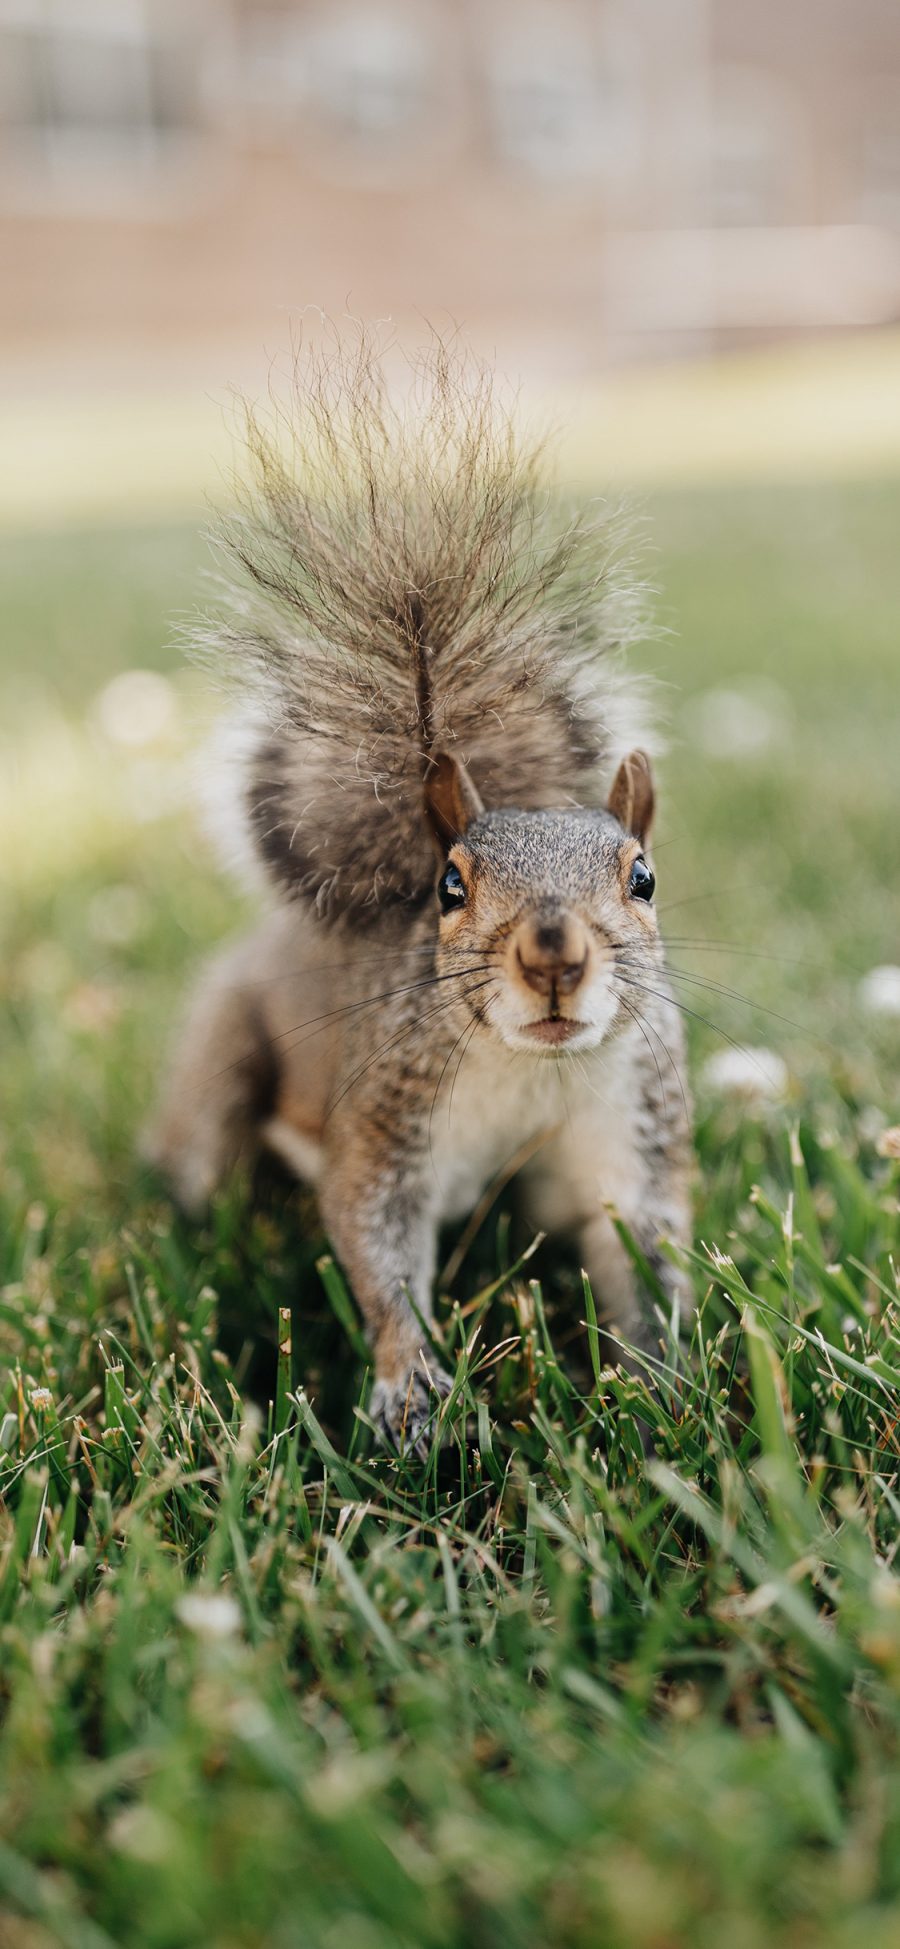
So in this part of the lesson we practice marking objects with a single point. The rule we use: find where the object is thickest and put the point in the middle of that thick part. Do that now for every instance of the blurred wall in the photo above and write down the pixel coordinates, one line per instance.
(579, 181)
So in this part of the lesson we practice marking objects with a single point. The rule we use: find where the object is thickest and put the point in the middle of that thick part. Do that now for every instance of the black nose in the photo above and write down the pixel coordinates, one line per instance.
(552, 953)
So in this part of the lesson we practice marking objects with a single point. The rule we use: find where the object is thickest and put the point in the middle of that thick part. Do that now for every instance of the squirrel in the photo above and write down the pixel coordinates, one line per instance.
(441, 774)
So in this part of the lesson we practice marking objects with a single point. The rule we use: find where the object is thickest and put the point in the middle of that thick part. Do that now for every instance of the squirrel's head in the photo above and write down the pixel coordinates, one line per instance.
(547, 917)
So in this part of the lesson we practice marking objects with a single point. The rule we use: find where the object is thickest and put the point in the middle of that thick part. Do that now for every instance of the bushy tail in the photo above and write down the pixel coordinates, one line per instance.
(405, 585)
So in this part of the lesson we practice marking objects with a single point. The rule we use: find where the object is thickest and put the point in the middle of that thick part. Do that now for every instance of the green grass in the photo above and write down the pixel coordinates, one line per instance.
(262, 1685)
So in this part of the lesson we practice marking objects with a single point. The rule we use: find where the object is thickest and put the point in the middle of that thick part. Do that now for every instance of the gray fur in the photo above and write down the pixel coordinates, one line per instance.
(409, 607)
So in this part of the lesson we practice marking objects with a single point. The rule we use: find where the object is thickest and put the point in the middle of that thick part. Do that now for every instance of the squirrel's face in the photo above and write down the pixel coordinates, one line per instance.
(547, 917)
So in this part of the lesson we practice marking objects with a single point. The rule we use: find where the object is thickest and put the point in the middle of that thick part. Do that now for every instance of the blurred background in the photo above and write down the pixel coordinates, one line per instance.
(595, 189)
(677, 222)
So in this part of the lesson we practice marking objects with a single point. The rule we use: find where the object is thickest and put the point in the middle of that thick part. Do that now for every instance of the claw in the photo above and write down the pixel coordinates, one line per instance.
(406, 1410)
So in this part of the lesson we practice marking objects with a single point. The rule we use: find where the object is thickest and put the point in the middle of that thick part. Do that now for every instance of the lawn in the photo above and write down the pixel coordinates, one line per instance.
(263, 1685)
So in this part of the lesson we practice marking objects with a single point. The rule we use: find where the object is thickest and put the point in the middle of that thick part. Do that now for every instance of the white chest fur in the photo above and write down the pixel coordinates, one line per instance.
(501, 1101)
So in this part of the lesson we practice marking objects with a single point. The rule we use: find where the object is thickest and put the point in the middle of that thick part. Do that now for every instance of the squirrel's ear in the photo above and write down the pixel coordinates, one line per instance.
(451, 800)
(631, 799)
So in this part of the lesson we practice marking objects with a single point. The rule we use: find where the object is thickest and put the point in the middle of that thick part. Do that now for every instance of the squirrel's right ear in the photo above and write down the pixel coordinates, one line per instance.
(631, 799)
(451, 800)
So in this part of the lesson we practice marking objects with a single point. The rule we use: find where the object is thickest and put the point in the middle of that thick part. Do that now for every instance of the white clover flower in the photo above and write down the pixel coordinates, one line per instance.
(142, 1832)
(138, 707)
(210, 1614)
(753, 1073)
(879, 990)
(41, 1399)
(739, 723)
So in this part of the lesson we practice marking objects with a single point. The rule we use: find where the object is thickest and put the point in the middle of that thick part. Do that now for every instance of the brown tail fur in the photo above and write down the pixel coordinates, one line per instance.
(400, 582)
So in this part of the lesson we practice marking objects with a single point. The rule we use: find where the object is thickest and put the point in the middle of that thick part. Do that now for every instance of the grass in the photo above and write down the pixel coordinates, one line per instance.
(260, 1684)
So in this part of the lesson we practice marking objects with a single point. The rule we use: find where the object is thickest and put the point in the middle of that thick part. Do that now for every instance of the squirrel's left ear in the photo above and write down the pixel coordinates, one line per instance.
(451, 800)
(631, 799)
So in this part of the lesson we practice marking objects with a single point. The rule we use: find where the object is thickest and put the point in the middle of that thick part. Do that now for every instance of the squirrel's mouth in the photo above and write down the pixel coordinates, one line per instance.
(552, 1030)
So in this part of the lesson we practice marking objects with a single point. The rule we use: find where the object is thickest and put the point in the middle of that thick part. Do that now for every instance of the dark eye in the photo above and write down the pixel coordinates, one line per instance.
(642, 881)
(451, 891)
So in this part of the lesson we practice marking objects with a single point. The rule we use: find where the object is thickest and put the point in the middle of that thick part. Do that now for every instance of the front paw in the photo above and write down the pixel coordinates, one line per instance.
(405, 1409)
(187, 1173)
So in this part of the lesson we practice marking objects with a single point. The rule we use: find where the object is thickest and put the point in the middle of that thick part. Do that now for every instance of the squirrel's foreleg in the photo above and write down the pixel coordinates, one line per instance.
(378, 1214)
(621, 1301)
(624, 1157)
